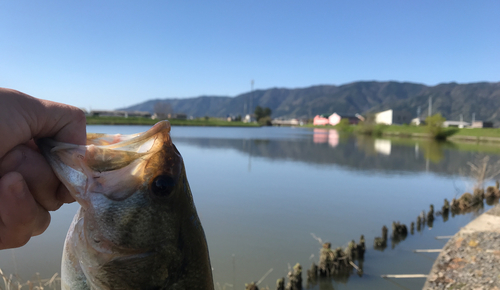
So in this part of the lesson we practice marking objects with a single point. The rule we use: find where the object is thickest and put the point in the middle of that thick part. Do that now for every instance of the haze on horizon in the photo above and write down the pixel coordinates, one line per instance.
(105, 55)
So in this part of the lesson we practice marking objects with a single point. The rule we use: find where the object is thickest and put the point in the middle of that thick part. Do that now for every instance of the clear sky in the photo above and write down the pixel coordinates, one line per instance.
(109, 54)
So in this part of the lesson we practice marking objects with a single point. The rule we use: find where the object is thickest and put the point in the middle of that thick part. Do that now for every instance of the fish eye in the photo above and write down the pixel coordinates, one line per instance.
(162, 185)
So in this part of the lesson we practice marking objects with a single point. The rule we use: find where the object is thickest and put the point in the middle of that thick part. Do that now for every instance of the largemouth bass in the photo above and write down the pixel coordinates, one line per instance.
(137, 227)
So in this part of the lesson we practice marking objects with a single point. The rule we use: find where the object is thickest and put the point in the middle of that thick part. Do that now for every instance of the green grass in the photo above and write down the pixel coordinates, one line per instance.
(214, 122)
(479, 132)
(318, 126)
(405, 129)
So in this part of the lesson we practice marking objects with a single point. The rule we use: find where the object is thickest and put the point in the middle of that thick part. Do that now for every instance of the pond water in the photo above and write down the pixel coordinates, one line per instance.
(263, 194)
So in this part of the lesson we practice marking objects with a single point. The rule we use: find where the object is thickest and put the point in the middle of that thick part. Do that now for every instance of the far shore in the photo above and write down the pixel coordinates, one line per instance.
(209, 122)
(407, 131)
(402, 131)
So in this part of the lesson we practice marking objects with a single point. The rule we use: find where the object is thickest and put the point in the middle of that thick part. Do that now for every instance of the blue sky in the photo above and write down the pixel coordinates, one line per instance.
(110, 54)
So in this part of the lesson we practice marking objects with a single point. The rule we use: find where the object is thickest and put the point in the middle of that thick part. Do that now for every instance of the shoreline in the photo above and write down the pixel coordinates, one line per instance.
(490, 135)
(139, 121)
(391, 131)
(471, 258)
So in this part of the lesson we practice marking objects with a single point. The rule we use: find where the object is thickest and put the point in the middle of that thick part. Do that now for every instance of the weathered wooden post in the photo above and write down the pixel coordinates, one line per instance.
(251, 286)
(280, 284)
(312, 274)
(326, 257)
(380, 243)
(430, 214)
(295, 278)
(361, 248)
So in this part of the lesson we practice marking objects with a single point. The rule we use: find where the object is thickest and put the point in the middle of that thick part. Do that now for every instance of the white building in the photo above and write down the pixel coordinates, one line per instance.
(481, 124)
(391, 117)
(286, 122)
(417, 121)
(249, 118)
(457, 124)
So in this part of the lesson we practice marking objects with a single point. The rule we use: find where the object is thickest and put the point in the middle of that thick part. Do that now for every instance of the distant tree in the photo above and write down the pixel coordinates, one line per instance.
(370, 127)
(267, 112)
(238, 118)
(434, 126)
(162, 109)
(369, 118)
(344, 125)
(261, 113)
(265, 121)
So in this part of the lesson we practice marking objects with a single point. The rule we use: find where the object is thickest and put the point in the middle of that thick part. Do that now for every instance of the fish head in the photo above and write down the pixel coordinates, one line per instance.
(136, 205)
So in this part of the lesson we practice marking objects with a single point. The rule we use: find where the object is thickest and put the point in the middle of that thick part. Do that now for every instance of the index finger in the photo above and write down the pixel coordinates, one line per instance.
(23, 117)
(62, 122)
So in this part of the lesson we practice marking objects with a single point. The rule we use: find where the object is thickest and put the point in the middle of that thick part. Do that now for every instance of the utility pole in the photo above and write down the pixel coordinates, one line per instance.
(473, 118)
(418, 112)
(251, 97)
(430, 106)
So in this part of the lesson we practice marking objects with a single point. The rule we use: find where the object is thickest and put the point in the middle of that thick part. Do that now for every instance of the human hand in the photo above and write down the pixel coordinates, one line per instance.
(29, 188)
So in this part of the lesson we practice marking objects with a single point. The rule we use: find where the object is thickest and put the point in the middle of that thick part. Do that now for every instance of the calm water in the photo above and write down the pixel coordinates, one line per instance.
(262, 192)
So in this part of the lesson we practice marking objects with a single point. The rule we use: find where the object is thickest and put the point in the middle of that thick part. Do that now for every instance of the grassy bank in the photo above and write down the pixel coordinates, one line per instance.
(466, 134)
(214, 122)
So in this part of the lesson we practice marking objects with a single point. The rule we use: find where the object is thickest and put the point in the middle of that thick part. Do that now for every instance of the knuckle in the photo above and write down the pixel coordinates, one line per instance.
(53, 205)
(13, 159)
(79, 115)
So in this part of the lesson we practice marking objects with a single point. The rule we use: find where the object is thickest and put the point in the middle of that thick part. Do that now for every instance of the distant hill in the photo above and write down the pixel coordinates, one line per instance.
(449, 99)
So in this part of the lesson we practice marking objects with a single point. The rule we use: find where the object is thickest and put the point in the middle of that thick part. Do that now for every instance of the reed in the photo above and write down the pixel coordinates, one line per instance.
(12, 282)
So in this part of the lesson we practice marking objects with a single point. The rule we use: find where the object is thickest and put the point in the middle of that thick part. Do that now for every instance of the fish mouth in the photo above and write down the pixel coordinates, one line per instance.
(112, 165)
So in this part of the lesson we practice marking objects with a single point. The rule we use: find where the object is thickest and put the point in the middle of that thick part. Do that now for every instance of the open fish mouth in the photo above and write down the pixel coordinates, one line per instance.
(115, 166)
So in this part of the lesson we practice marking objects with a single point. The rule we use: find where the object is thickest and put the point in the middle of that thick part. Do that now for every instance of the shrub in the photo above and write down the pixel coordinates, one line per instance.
(344, 125)
(265, 121)
(435, 126)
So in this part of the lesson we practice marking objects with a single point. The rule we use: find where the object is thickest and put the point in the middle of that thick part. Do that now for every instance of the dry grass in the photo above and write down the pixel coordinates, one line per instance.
(12, 282)
(482, 171)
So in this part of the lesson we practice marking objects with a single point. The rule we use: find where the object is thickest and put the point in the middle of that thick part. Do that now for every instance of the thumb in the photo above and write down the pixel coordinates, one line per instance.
(20, 215)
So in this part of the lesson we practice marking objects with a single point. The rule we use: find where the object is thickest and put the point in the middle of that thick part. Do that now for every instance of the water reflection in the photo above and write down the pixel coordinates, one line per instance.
(433, 151)
(383, 146)
(361, 153)
(330, 136)
(262, 191)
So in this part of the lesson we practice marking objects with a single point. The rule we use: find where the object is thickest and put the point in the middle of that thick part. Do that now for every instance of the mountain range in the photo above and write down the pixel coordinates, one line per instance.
(450, 99)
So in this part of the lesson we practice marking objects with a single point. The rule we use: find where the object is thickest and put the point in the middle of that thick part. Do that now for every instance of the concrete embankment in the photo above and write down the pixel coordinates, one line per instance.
(471, 259)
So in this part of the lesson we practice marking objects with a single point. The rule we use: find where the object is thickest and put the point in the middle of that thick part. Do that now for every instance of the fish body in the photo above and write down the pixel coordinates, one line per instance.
(137, 227)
